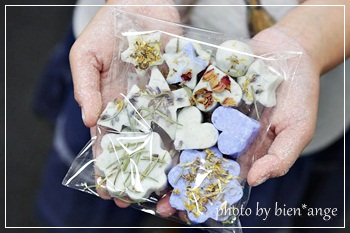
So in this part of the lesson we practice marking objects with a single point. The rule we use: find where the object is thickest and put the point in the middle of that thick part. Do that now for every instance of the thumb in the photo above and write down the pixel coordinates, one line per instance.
(86, 79)
(284, 151)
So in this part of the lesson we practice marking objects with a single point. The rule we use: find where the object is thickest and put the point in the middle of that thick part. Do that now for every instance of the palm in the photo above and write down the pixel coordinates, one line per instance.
(289, 126)
(285, 129)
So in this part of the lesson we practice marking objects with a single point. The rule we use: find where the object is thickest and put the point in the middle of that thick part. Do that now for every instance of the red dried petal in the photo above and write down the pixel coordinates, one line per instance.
(187, 76)
(226, 80)
(206, 95)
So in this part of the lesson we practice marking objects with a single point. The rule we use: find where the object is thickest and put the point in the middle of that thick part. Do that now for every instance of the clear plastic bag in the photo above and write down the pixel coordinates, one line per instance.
(182, 129)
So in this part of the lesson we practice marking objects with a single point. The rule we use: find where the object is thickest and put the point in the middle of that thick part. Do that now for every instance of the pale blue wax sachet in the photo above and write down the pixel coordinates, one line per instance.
(238, 131)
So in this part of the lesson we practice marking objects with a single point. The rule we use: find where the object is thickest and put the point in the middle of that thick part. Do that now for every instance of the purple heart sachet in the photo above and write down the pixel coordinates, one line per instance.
(238, 131)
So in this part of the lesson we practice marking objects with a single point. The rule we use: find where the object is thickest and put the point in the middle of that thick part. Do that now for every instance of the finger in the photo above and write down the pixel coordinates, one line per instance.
(101, 189)
(90, 60)
(164, 209)
(86, 79)
(184, 217)
(284, 151)
(260, 145)
(122, 204)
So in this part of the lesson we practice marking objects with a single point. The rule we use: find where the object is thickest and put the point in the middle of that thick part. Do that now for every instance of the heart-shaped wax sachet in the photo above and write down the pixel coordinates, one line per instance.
(192, 133)
(216, 87)
(238, 130)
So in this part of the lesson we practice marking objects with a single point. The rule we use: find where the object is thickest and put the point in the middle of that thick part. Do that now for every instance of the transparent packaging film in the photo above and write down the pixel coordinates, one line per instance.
(181, 131)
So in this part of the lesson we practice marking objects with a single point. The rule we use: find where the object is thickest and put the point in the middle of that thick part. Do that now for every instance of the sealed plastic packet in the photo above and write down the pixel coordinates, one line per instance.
(179, 130)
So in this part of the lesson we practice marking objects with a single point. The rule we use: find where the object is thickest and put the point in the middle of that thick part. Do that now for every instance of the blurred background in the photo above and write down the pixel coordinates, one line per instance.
(31, 35)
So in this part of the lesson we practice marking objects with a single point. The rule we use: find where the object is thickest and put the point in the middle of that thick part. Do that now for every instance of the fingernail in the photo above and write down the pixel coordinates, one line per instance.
(164, 208)
(164, 212)
(261, 180)
(183, 216)
(82, 114)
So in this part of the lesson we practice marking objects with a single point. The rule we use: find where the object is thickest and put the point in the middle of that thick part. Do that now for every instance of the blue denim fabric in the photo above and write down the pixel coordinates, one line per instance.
(315, 180)
(56, 81)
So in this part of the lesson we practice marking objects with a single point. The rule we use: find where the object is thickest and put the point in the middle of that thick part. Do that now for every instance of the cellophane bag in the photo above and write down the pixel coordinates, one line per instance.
(180, 132)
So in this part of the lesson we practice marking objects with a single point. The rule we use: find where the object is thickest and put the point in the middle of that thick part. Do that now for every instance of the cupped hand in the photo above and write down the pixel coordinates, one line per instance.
(91, 58)
(287, 128)
(92, 53)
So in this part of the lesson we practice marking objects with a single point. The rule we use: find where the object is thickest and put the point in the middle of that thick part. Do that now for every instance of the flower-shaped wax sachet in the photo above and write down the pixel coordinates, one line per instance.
(133, 164)
(260, 82)
(184, 66)
(238, 131)
(204, 182)
(143, 52)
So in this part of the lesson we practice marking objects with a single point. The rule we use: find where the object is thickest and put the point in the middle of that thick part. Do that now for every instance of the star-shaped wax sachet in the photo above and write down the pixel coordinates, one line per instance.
(156, 102)
(184, 66)
(144, 51)
(175, 45)
(260, 83)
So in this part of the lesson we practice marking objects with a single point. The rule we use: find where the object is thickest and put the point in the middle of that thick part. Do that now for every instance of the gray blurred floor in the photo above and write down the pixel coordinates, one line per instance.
(32, 33)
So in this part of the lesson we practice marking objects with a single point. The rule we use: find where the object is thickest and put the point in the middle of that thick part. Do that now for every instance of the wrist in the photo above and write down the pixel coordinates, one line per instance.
(160, 9)
(283, 41)
(319, 30)
(308, 42)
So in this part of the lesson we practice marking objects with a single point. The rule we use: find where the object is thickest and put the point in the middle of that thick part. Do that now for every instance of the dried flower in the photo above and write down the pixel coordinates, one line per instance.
(216, 85)
(187, 76)
(146, 54)
(234, 60)
(211, 77)
(226, 81)
(220, 87)
(204, 96)
(143, 52)
(105, 117)
(229, 102)
(209, 181)
(176, 191)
